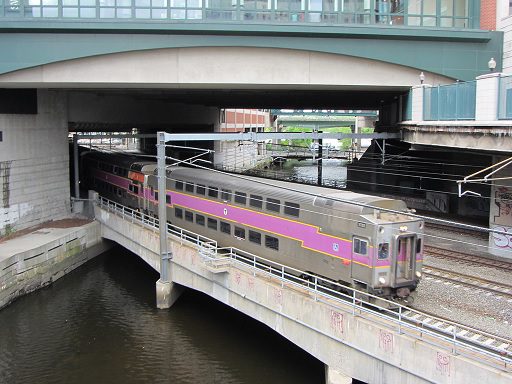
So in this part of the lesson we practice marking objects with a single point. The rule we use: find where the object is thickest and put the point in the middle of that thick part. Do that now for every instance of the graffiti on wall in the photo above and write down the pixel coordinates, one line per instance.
(502, 217)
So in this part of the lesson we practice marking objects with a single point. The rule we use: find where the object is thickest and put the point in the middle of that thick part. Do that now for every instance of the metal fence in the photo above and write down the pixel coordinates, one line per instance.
(459, 338)
(505, 98)
(450, 102)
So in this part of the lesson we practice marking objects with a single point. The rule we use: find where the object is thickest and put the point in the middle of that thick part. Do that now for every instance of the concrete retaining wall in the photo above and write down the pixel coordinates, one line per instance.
(34, 164)
(28, 271)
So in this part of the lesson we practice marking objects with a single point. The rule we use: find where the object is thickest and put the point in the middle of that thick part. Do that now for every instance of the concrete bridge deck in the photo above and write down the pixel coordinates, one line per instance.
(351, 339)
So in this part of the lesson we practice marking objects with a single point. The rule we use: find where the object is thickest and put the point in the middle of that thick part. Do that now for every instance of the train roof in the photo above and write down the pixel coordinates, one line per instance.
(298, 193)
(133, 162)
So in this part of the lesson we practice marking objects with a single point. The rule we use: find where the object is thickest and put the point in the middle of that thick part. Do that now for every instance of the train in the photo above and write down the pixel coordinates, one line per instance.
(333, 234)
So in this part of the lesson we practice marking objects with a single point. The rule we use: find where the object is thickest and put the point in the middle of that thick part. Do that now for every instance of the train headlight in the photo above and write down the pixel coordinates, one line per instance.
(382, 280)
(418, 273)
(403, 228)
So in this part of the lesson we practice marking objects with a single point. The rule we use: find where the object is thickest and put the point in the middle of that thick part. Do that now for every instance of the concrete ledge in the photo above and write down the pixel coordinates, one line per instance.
(46, 259)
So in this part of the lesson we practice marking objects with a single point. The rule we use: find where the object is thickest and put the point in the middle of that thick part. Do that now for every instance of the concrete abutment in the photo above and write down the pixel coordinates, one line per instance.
(332, 376)
(167, 293)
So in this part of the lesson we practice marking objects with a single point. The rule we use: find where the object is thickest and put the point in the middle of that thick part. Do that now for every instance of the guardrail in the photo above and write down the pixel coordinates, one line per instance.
(450, 102)
(399, 317)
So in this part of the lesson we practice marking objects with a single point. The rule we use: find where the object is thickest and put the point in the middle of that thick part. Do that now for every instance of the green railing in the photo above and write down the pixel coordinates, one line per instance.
(450, 102)
(505, 98)
(331, 12)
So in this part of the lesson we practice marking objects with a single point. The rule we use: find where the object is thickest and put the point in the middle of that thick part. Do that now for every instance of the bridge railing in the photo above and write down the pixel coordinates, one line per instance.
(505, 98)
(198, 11)
(208, 246)
(458, 337)
(440, 332)
(450, 102)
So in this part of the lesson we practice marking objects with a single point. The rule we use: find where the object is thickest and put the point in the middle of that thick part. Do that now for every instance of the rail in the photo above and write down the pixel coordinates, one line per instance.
(460, 338)
(198, 11)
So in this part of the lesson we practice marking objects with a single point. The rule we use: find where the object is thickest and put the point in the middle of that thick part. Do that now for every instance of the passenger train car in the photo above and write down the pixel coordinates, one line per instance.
(356, 245)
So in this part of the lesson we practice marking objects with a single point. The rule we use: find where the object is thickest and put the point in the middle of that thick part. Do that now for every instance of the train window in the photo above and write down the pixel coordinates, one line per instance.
(179, 185)
(189, 216)
(383, 251)
(225, 195)
(178, 212)
(272, 242)
(240, 232)
(156, 195)
(256, 201)
(213, 191)
(240, 198)
(189, 187)
(360, 246)
(201, 189)
(291, 209)
(168, 199)
(273, 205)
(254, 237)
(418, 245)
(225, 227)
(200, 220)
(212, 224)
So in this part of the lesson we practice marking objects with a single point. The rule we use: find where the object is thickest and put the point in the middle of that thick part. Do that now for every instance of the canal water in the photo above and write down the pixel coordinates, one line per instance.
(99, 325)
(334, 172)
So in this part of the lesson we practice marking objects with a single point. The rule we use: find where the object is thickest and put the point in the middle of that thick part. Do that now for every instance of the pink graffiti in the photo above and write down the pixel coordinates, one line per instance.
(337, 322)
(278, 296)
(250, 284)
(238, 278)
(386, 341)
(443, 364)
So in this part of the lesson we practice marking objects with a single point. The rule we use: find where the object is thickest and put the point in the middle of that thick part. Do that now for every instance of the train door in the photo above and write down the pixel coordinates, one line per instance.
(404, 259)
(360, 259)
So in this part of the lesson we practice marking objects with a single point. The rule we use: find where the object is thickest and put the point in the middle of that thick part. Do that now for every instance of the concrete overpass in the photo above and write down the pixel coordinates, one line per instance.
(351, 340)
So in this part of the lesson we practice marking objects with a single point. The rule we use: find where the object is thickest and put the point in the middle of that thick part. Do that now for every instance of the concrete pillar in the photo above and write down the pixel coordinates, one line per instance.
(417, 102)
(333, 376)
(167, 293)
(487, 89)
(500, 213)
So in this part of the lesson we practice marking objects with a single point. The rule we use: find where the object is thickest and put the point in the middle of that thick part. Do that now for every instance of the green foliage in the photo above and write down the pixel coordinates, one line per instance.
(345, 143)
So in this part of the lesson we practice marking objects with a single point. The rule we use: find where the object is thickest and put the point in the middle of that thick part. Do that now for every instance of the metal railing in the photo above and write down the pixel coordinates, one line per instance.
(450, 102)
(505, 98)
(197, 11)
(398, 317)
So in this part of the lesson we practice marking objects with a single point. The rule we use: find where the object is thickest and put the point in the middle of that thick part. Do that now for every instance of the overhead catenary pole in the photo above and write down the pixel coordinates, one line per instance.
(75, 166)
(165, 256)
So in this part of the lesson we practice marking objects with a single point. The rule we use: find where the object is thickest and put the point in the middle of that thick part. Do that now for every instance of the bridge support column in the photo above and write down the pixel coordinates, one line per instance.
(167, 293)
(333, 376)
(500, 212)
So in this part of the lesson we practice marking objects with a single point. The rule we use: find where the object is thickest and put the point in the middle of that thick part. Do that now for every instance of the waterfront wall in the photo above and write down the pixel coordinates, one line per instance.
(29, 270)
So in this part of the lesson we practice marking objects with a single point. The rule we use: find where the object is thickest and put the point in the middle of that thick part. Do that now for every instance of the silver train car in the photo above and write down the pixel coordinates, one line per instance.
(344, 241)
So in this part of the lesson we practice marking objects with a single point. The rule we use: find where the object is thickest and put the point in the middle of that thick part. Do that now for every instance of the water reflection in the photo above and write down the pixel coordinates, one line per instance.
(99, 324)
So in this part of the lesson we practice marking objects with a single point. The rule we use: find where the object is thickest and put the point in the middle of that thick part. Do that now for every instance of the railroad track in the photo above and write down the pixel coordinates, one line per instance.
(460, 256)
(457, 230)
(456, 278)
(470, 336)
